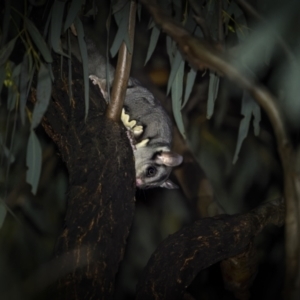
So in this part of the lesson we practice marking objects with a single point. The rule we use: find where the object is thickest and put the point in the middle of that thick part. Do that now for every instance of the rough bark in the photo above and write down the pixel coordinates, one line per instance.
(100, 204)
(180, 257)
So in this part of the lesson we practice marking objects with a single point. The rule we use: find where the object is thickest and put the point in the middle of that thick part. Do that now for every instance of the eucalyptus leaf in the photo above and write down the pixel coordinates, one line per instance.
(56, 26)
(6, 51)
(151, 24)
(38, 40)
(170, 48)
(24, 79)
(249, 108)
(43, 94)
(33, 161)
(190, 80)
(72, 13)
(213, 89)
(153, 42)
(47, 25)
(256, 112)
(118, 15)
(49, 66)
(31, 74)
(119, 5)
(174, 69)
(177, 89)
(3, 212)
(84, 56)
(122, 33)
(7, 153)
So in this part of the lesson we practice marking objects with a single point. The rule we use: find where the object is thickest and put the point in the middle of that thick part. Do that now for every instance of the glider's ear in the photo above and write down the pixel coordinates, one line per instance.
(170, 159)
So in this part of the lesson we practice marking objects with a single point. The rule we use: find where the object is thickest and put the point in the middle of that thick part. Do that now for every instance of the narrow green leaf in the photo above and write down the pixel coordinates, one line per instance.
(43, 94)
(84, 56)
(151, 24)
(6, 51)
(170, 48)
(246, 111)
(72, 13)
(33, 161)
(118, 17)
(118, 6)
(191, 76)
(174, 69)
(177, 89)
(31, 74)
(24, 79)
(6, 151)
(47, 25)
(257, 117)
(3, 212)
(56, 26)
(49, 66)
(38, 40)
(122, 33)
(153, 42)
(213, 89)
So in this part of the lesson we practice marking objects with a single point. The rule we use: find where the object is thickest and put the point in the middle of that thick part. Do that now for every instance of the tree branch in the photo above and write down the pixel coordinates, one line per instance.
(180, 257)
(101, 190)
(201, 55)
(122, 71)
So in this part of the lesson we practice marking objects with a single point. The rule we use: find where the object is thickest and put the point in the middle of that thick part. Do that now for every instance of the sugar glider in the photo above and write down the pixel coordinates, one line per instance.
(148, 123)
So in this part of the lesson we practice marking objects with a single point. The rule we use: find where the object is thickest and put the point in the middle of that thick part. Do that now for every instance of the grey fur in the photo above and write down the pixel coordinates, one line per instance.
(154, 160)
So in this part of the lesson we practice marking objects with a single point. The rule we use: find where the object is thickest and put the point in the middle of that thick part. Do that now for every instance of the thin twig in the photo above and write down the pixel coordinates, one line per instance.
(122, 71)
